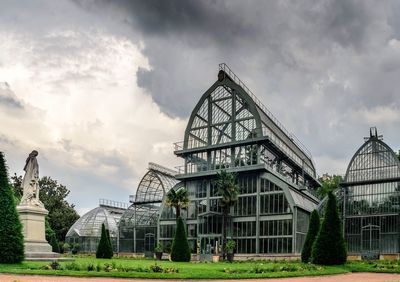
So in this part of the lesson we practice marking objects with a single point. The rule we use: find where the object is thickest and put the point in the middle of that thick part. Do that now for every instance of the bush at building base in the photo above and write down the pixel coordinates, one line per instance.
(329, 247)
(51, 237)
(104, 249)
(312, 233)
(180, 246)
(11, 238)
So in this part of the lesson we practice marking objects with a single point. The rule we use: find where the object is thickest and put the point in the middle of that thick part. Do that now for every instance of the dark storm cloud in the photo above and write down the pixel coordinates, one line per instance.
(10, 102)
(8, 98)
(185, 39)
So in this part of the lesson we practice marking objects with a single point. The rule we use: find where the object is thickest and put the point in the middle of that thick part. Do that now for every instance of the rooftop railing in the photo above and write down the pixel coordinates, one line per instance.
(224, 67)
(113, 204)
(162, 169)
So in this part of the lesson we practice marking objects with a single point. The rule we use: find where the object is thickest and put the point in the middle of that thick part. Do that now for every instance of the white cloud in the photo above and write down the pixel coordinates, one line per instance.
(82, 109)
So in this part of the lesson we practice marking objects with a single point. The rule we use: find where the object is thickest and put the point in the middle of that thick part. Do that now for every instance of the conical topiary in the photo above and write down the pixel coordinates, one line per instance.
(11, 238)
(329, 247)
(312, 233)
(104, 249)
(180, 247)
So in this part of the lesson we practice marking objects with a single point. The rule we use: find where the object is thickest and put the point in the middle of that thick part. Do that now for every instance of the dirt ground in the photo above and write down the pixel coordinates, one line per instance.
(351, 277)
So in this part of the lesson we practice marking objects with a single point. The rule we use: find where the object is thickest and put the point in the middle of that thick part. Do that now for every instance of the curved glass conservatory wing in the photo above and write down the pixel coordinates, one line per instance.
(372, 199)
(86, 231)
(138, 225)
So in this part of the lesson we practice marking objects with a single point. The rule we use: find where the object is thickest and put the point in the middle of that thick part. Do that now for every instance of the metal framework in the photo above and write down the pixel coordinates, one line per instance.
(370, 193)
(86, 231)
(138, 225)
(231, 129)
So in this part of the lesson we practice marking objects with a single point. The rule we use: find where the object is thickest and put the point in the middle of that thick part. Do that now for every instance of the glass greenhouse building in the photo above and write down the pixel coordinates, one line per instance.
(138, 224)
(231, 129)
(370, 193)
(86, 231)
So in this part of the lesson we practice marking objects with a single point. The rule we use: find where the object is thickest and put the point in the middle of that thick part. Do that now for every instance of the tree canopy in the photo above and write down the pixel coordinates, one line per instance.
(329, 183)
(53, 195)
(11, 238)
(178, 199)
(228, 189)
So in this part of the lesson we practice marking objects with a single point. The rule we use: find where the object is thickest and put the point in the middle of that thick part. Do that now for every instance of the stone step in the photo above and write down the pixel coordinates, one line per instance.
(41, 255)
(50, 259)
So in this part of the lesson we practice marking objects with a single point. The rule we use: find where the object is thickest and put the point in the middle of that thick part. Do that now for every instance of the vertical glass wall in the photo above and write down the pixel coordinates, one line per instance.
(372, 199)
(261, 221)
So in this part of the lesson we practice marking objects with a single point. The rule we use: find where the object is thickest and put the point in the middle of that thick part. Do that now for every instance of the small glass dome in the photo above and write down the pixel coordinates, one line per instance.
(86, 231)
(89, 225)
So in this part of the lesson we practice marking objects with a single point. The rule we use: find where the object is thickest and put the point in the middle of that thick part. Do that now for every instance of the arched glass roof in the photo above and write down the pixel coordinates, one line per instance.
(89, 225)
(229, 112)
(374, 161)
(153, 186)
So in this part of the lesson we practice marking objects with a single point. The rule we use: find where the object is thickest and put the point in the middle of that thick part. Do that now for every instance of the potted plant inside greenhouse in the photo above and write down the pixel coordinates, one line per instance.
(158, 251)
(230, 250)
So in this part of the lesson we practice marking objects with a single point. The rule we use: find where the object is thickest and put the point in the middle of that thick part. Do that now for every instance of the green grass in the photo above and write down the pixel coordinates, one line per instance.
(140, 268)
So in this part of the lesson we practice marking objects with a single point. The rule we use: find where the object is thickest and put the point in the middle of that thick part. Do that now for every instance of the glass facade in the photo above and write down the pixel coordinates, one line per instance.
(230, 129)
(86, 231)
(371, 199)
(138, 224)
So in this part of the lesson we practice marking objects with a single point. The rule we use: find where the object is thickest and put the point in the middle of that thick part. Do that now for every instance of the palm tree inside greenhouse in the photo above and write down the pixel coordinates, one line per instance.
(228, 189)
(178, 199)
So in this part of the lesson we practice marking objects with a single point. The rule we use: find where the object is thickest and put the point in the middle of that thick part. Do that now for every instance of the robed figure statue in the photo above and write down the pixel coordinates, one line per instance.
(30, 182)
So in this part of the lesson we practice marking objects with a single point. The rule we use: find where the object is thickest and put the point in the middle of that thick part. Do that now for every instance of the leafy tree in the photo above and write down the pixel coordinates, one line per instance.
(178, 199)
(180, 247)
(312, 233)
(51, 237)
(329, 183)
(228, 189)
(53, 195)
(329, 247)
(11, 238)
(104, 249)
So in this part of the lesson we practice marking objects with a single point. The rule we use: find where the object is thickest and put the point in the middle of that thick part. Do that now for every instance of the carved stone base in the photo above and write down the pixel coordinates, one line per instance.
(33, 223)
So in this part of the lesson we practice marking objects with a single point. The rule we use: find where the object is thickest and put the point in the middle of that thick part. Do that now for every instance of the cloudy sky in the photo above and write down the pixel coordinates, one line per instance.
(101, 87)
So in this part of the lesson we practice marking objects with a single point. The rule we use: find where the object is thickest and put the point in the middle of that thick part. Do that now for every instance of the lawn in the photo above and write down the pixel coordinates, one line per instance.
(144, 268)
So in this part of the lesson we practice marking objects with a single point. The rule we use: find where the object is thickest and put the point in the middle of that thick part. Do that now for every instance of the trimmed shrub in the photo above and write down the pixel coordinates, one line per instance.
(180, 246)
(104, 249)
(312, 233)
(12, 240)
(329, 247)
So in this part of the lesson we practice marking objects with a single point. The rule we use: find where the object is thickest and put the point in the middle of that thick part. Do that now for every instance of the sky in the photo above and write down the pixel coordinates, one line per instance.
(100, 88)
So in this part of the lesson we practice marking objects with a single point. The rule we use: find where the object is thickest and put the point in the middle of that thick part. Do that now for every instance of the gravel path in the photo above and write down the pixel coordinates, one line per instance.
(350, 277)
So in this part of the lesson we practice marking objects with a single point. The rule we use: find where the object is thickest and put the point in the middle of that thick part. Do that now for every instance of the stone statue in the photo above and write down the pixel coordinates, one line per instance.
(30, 183)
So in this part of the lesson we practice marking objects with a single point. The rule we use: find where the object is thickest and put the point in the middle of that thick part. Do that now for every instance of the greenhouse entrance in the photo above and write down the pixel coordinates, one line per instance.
(209, 246)
(210, 234)
(370, 240)
(149, 242)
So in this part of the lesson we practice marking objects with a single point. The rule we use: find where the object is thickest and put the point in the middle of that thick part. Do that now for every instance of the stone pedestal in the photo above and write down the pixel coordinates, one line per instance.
(33, 223)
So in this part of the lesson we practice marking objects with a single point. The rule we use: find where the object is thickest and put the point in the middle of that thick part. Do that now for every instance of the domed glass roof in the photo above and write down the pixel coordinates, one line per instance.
(89, 225)
(153, 186)
(374, 161)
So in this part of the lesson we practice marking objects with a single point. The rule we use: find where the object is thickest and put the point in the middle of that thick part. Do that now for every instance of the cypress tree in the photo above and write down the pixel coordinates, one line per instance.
(180, 247)
(109, 240)
(329, 247)
(312, 233)
(104, 249)
(12, 240)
